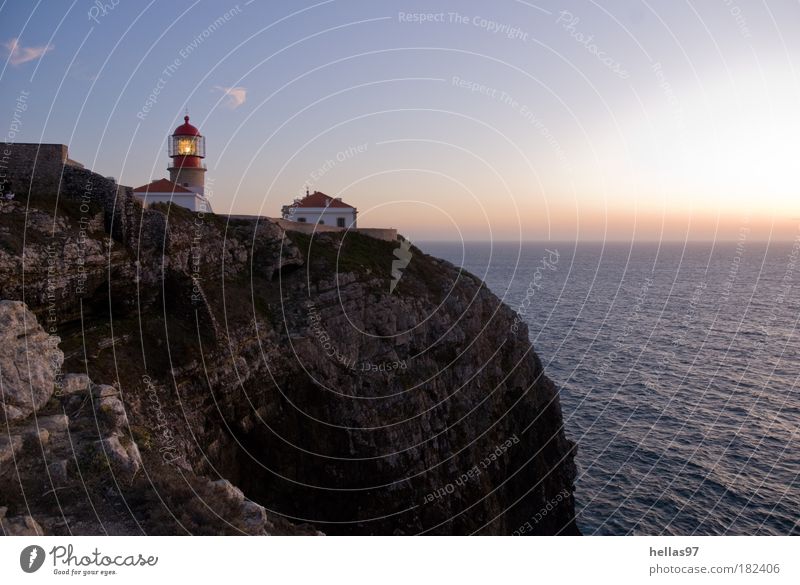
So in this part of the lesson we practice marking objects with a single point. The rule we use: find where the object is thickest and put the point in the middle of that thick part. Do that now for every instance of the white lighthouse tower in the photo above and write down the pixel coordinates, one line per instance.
(186, 185)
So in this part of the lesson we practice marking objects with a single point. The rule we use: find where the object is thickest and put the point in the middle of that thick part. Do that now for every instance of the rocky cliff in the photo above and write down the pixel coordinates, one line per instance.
(165, 372)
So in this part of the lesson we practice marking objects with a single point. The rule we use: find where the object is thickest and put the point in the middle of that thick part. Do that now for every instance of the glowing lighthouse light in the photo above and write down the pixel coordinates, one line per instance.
(187, 147)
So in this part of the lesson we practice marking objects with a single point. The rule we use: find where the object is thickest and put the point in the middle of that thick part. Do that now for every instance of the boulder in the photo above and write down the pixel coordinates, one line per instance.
(254, 518)
(29, 361)
(111, 413)
(228, 491)
(74, 384)
(125, 459)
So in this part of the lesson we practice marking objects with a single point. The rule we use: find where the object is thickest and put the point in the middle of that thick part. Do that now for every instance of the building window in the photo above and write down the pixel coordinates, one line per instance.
(322, 222)
(301, 219)
(340, 221)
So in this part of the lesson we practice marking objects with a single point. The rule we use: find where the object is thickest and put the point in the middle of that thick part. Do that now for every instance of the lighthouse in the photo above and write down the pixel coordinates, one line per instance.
(187, 149)
(187, 173)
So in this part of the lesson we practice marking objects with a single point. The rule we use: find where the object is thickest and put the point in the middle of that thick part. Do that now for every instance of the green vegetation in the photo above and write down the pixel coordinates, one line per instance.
(345, 252)
(173, 211)
(222, 222)
(143, 437)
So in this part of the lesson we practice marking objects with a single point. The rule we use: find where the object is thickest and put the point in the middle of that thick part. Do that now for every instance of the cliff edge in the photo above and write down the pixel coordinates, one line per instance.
(165, 372)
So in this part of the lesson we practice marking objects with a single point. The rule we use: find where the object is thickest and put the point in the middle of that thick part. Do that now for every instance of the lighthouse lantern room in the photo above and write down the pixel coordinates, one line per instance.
(187, 148)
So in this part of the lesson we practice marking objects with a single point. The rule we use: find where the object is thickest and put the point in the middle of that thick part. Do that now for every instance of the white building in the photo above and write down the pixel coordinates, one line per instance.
(319, 208)
(165, 191)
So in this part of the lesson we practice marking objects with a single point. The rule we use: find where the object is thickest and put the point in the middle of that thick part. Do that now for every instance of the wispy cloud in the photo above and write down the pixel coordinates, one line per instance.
(17, 54)
(236, 95)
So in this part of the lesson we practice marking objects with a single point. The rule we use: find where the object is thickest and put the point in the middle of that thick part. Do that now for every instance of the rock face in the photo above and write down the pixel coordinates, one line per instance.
(80, 439)
(271, 382)
(26, 384)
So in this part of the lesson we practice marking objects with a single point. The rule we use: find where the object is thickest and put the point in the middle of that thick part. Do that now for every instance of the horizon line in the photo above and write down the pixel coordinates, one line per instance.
(636, 241)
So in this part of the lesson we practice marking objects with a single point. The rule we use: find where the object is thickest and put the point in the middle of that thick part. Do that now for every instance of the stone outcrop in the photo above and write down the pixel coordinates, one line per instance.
(25, 384)
(267, 382)
(81, 437)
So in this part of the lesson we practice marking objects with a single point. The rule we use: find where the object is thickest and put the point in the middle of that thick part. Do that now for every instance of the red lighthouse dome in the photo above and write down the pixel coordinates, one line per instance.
(187, 148)
(186, 129)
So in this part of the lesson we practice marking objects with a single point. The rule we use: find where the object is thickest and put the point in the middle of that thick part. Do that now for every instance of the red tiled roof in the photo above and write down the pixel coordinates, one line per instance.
(162, 186)
(318, 199)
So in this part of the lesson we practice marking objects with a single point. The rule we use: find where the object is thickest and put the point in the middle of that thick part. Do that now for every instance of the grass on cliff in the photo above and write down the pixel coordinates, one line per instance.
(424, 276)
(178, 215)
(345, 252)
(72, 209)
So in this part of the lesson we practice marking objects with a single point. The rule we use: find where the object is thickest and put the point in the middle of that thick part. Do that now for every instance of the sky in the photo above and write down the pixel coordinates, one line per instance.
(505, 120)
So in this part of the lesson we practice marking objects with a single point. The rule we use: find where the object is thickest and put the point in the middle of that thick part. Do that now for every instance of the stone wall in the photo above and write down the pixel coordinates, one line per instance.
(389, 234)
(45, 170)
(32, 168)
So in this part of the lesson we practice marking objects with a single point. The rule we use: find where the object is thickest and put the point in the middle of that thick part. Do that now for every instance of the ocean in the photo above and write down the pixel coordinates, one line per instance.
(678, 369)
